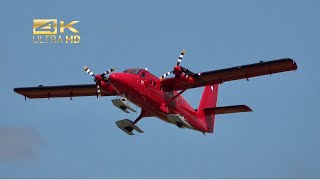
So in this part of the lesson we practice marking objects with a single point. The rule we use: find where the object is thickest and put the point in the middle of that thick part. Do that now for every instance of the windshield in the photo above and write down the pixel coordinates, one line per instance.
(132, 71)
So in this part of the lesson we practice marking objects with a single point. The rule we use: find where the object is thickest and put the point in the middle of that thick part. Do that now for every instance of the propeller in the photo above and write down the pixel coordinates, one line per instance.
(108, 71)
(180, 57)
(98, 78)
(178, 70)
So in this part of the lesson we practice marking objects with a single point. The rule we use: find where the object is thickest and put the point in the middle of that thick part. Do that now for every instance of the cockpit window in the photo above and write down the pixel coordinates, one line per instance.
(132, 71)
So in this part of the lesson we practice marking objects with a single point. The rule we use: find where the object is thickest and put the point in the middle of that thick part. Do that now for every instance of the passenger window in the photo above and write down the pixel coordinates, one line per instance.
(143, 74)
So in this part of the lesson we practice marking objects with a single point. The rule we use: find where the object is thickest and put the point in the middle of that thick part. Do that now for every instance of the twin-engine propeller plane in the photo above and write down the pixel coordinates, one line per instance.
(161, 97)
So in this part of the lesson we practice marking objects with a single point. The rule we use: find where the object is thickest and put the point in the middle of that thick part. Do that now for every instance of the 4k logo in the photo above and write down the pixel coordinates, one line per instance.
(50, 30)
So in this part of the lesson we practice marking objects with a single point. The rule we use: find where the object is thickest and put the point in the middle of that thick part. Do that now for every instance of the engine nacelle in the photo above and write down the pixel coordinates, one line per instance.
(122, 104)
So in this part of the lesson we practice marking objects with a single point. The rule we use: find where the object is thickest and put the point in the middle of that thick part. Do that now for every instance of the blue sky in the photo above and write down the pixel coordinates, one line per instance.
(59, 138)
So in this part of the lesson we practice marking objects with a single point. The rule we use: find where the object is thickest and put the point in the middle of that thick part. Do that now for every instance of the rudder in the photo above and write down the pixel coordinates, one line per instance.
(208, 100)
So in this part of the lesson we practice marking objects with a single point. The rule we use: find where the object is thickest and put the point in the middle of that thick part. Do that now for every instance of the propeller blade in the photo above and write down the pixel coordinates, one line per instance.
(166, 74)
(180, 57)
(177, 69)
(88, 71)
(98, 90)
(109, 71)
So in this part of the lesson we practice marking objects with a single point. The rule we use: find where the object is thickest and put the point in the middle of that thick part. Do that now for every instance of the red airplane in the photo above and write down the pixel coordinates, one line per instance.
(161, 97)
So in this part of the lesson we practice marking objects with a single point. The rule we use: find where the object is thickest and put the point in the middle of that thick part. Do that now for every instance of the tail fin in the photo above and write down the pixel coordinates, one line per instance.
(208, 100)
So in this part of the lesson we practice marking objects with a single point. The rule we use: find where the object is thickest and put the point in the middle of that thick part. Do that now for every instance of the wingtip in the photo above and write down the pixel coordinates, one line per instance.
(295, 65)
(15, 89)
(247, 108)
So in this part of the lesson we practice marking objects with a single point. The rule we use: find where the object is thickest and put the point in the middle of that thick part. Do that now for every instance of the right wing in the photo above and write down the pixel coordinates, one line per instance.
(246, 71)
(63, 91)
(231, 74)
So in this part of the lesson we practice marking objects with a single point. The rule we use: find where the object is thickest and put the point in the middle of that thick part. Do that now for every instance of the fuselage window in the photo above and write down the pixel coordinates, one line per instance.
(143, 74)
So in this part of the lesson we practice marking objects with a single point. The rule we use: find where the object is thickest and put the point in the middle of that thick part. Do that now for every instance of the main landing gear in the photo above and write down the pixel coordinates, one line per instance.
(128, 126)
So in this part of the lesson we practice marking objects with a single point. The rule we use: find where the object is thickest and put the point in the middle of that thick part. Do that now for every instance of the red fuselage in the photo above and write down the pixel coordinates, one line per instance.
(144, 90)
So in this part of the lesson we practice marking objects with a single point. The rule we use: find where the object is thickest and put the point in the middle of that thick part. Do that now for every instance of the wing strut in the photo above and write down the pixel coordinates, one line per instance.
(139, 117)
(171, 99)
(143, 113)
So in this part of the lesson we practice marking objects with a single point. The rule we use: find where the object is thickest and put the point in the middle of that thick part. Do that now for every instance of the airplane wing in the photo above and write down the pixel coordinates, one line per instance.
(62, 91)
(231, 74)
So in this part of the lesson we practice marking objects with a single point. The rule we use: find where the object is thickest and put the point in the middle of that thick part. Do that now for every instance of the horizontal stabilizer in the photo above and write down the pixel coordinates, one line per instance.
(227, 109)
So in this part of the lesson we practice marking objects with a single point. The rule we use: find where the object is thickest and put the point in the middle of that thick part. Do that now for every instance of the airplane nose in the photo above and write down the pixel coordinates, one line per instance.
(117, 79)
(114, 78)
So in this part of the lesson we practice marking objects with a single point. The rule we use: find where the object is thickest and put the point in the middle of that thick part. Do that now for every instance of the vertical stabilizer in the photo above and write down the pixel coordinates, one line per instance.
(208, 100)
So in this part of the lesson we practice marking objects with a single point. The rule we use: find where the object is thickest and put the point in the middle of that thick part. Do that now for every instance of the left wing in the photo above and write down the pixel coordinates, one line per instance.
(230, 74)
(63, 91)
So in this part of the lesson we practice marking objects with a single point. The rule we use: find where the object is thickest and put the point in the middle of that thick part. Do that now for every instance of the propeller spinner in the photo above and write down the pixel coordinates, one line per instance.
(178, 70)
(98, 78)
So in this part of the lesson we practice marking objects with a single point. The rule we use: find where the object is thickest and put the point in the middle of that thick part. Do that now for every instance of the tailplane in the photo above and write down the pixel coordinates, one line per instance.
(227, 109)
(208, 109)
